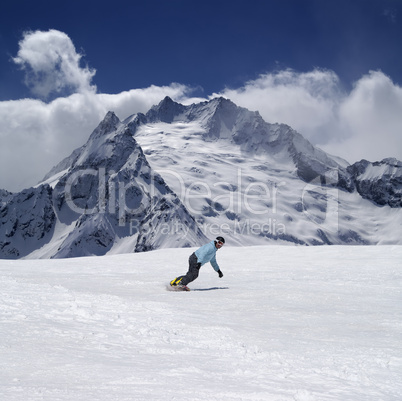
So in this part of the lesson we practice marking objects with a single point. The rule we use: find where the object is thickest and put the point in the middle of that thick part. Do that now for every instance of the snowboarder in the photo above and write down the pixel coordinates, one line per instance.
(205, 254)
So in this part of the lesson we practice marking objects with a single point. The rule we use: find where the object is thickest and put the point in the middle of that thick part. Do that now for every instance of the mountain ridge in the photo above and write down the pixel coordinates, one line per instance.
(252, 134)
(177, 175)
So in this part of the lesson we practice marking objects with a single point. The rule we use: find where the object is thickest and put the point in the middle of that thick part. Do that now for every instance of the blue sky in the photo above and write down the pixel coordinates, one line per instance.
(312, 64)
(210, 44)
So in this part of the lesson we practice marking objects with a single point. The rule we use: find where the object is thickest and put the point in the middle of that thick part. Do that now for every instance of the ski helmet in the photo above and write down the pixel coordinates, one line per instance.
(220, 239)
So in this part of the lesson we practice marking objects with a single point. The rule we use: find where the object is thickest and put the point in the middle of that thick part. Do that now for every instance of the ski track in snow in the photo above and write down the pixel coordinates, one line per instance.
(284, 323)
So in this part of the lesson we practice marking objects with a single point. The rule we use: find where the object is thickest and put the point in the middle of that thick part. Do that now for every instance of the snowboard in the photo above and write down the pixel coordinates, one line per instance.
(177, 288)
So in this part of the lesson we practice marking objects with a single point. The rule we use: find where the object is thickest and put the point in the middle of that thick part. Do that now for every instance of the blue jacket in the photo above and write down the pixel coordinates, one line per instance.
(207, 253)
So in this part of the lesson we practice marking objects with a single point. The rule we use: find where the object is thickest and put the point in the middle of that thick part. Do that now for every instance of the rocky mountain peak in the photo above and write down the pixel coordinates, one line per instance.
(380, 182)
(107, 125)
(165, 111)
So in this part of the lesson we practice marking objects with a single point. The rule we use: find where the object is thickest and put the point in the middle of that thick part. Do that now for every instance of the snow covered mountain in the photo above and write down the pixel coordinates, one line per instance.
(221, 119)
(178, 175)
(259, 182)
(104, 197)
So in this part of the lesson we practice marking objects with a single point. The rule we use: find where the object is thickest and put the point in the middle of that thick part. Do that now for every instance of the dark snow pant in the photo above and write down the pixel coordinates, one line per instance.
(193, 270)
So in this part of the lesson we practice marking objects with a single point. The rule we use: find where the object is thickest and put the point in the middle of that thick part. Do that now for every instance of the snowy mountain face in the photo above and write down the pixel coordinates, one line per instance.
(27, 221)
(258, 182)
(380, 182)
(221, 119)
(104, 197)
(178, 175)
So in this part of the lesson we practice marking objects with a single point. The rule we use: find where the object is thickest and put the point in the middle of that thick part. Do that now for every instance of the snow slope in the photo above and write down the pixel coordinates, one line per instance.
(283, 324)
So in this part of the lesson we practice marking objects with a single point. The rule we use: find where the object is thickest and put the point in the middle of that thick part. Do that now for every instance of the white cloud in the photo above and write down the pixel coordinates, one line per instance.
(52, 64)
(365, 123)
(37, 135)
(371, 119)
(305, 101)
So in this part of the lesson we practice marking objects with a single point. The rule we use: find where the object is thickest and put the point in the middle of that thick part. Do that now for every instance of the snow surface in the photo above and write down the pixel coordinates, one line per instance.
(284, 323)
